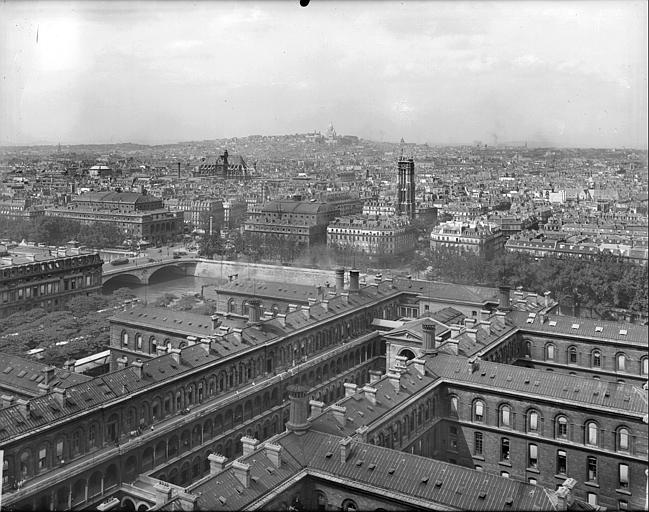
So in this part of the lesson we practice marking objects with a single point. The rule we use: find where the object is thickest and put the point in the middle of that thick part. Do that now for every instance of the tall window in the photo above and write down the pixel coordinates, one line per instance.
(452, 437)
(42, 458)
(591, 433)
(533, 459)
(549, 352)
(624, 476)
(454, 408)
(92, 436)
(505, 416)
(125, 339)
(504, 449)
(621, 362)
(562, 463)
(572, 355)
(533, 421)
(478, 411)
(562, 427)
(591, 474)
(597, 359)
(138, 340)
(644, 366)
(623, 439)
(477, 443)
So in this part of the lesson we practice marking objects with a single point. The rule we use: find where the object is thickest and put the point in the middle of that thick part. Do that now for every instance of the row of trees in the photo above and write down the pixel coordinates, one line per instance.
(54, 231)
(83, 323)
(602, 284)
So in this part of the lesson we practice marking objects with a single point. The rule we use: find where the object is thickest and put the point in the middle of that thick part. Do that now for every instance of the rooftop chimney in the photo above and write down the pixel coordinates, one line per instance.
(484, 315)
(7, 400)
(395, 380)
(274, 453)
(249, 444)
(375, 376)
(297, 421)
(175, 353)
(69, 365)
(121, 362)
(216, 322)
(564, 494)
(354, 285)
(312, 300)
(23, 406)
(217, 463)
(503, 304)
(474, 364)
(242, 472)
(473, 334)
(370, 394)
(306, 311)
(206, 343)
(469, 323)
(345, 296)
(428, 329)
(420, 366)
(254, 309)
(345, 449)
(325, 304)
(500, 318)
(338, 412)
(49, 375)
(455, 330)
(350, 388)
(292, 308)
(137, 368)
(59, 395)
(316, 407)
(453, 345)
(340, 279)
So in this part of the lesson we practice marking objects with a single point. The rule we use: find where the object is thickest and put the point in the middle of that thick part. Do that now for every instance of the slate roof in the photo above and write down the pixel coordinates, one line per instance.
(632, 334)
(502, 378)
(412, 478)
(21, 377)
(284, 291)
(448, 291)
(361, 412)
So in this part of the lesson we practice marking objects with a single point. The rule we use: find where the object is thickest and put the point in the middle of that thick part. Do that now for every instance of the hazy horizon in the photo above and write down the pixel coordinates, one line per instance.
(562, 74)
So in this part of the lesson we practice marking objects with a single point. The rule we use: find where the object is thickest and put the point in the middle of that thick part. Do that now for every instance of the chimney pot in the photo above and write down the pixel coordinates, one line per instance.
(375, 376)
(339, 413)
(306, 311)
(340, 279)
(354, 285)
(429, 337)
(175, 353)
(395, 380)
(121, 362)
(216, 322)
(298, 409)
(420, 366)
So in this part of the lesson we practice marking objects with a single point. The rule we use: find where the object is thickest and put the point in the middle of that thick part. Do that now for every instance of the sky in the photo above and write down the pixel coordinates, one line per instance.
(561, 73)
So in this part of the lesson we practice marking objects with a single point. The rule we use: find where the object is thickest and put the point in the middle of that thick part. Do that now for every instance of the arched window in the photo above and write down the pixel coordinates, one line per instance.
(622, 439)
(572, 355)
(478, 411)
(644, 366)
(138, 341)
(591, 432)
(561, 430)
(125, 339)
(505, 416)
(349, 506)
(596, 361)
(620, 359)
(533, 421)
(549, 352)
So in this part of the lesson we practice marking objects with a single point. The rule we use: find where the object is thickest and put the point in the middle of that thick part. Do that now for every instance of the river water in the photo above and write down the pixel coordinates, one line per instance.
(179, 286)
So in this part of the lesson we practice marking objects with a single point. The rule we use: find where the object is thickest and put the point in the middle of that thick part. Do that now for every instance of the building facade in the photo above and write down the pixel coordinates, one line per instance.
(137, 215)
(47, 281)
(484, 240)
(372, 235)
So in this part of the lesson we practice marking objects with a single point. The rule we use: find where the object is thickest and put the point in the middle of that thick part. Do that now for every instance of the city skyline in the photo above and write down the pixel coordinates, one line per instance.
(559, 74)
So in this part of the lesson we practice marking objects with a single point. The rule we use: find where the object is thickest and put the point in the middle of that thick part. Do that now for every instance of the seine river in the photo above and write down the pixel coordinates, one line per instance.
(178, 286)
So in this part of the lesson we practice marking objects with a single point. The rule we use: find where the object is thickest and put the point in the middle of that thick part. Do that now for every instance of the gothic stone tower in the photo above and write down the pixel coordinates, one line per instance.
(406, 187)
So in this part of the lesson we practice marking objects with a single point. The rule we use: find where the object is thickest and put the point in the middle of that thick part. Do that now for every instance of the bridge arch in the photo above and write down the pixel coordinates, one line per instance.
(126, 278)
